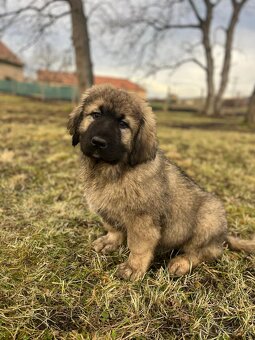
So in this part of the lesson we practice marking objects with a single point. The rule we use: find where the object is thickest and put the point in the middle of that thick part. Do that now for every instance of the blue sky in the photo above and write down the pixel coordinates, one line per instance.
(188, 81)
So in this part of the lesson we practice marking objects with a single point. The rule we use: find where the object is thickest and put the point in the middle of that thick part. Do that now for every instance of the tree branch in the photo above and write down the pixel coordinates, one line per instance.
(12, 16)
(154, 68)
(195, 10)
(28, 8)
(155, 24)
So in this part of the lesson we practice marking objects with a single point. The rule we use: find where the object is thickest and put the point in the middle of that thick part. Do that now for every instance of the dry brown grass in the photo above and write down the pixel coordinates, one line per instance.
(53, 286)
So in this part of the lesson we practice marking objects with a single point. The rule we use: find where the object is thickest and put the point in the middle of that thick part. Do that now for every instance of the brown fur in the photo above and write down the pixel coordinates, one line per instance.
(146, 198)
(235, 243)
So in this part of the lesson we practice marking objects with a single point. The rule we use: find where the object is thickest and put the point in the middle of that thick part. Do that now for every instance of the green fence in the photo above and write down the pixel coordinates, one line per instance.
(45, 92)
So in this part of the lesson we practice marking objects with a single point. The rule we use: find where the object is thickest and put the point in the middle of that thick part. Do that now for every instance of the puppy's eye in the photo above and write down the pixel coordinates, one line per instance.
(96, 114)
(123, 124)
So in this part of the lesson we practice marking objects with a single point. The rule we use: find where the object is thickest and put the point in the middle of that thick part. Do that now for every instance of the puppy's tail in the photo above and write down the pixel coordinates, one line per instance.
(238, 244)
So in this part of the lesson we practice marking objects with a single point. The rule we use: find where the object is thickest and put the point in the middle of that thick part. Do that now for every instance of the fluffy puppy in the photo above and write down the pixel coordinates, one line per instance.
(141, 196)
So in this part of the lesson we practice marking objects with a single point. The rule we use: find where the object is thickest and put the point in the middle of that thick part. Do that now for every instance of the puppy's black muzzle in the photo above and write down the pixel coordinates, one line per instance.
(99, 142)
(102, 140)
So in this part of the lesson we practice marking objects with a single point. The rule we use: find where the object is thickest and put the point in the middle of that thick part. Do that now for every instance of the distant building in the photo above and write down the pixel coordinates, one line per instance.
(67, 78)
(11, 67)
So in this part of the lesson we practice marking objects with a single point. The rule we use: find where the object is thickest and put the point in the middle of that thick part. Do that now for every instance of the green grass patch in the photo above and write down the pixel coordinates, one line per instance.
(53, 286)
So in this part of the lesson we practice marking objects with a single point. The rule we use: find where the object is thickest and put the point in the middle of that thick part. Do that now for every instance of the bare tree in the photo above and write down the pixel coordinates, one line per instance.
(67, 61)
(229, 32)
(46, 57)
(250, 116)
(149, 25)
(213, 103)
(81, 44)
(43, 15)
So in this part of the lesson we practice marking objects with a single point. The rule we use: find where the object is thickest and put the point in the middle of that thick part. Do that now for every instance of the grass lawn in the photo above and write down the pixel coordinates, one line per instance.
(53, 286)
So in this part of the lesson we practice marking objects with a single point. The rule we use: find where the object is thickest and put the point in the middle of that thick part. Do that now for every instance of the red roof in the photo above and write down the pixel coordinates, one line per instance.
(6, 55)
(67, 78)
(124, 84)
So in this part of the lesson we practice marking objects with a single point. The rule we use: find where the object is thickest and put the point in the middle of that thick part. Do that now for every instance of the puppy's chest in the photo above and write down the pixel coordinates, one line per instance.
(114, 203)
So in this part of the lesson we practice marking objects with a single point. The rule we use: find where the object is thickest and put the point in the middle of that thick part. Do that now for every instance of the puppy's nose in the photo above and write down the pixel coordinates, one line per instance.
(99, 142)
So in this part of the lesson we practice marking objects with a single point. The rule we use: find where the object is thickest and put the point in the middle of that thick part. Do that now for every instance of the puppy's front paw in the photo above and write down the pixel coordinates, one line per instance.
(179, 266)
(105, 244)
(127, 272)
(109, 242)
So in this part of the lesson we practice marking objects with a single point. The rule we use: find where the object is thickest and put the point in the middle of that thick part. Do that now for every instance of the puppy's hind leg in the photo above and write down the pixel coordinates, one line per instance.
(109, 242)
(183, 264)
(208, 238)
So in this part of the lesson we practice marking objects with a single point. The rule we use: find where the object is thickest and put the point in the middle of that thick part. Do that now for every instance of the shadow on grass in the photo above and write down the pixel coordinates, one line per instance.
(162, 259)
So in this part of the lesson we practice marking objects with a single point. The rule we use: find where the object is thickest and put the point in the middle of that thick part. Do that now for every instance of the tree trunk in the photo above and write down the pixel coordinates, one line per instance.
(205, 27)
(237, 6)
(250, 116)
(81, 45)
(209, 79)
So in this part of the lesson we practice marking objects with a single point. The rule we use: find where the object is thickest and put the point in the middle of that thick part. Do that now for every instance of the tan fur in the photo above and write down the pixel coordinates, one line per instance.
(145, 198)
(235, 243)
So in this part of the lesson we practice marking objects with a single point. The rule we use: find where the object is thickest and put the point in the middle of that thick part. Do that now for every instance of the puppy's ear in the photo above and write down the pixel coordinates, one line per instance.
(145, 142)
(73, 124)
(76, 117)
